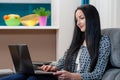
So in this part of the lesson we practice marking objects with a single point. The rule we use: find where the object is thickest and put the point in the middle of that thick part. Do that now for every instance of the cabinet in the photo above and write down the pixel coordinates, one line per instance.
(23, 8)
(25, 1)
(41, 40)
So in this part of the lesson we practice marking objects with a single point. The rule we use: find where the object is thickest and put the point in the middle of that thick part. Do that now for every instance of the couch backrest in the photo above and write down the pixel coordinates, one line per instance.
(114, 34)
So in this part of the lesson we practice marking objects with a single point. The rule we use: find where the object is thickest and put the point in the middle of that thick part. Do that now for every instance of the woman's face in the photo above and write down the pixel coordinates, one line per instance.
(80, 17)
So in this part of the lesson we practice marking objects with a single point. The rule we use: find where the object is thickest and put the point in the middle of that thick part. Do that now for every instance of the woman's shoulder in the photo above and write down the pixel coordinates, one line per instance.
(105, 45)
(105, 41)
(105, 38)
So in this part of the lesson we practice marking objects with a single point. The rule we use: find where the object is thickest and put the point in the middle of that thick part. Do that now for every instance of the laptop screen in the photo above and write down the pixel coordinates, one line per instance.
(21, 58)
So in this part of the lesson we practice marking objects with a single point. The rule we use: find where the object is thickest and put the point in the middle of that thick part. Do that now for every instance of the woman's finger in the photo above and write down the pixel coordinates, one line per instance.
(43, 67)
(54, 69)
(48, 68)
(59, 73)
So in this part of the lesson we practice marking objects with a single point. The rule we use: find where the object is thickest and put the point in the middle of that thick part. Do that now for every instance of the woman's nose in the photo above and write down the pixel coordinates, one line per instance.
(78, 22)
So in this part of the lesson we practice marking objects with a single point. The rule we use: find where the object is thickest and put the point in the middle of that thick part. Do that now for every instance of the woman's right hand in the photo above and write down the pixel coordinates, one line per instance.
(48, 68)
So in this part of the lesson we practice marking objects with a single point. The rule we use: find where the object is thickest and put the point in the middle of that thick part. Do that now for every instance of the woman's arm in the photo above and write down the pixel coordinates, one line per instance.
(104, 52)
(60, 63)
(65, 75)
(55, 66)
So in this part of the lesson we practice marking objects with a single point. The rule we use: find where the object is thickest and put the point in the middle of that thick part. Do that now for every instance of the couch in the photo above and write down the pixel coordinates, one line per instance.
(113, 69)
(5, 72)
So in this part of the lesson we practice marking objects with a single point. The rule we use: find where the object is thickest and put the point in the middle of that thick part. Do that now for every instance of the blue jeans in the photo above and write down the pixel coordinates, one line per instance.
(19, 76)
(14, 77)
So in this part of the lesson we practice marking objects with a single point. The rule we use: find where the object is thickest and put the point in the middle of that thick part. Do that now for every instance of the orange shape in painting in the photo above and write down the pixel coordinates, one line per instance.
(6, 17)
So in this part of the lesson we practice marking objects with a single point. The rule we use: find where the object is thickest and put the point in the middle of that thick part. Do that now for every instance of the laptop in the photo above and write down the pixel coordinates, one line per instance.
(22, 60)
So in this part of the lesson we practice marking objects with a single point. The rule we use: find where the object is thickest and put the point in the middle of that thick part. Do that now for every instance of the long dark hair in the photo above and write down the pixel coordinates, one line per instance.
(92, 36)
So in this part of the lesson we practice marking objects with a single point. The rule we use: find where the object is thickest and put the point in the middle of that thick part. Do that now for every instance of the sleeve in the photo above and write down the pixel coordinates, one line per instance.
(104, 52)
(60, 63)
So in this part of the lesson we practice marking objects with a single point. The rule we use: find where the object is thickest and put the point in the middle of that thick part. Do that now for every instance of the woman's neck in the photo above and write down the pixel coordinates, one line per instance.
(84, 43)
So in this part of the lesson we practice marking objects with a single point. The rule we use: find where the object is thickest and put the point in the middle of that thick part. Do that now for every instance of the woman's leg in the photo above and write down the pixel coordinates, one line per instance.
(16, 76)
(42, 77)
(32, 78)
(46, 77)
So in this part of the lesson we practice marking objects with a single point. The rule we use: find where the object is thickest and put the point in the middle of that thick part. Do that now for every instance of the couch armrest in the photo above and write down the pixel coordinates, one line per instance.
(117, 76)
(4, 72)
(111, 74)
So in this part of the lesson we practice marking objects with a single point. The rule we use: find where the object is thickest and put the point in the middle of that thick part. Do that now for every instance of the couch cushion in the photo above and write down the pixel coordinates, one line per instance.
(111, 74)
(5, 72)
(117, 76)
(114, 34)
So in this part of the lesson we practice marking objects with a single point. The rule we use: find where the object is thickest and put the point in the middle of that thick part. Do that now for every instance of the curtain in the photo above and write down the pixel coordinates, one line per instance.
(85, 1)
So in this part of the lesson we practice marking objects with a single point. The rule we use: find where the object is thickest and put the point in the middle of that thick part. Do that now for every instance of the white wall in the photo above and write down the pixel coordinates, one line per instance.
(65, 23)
(118, 13)
(108, 10)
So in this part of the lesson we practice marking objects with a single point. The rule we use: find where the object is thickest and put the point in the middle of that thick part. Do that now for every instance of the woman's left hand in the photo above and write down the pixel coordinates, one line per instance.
(65, 75)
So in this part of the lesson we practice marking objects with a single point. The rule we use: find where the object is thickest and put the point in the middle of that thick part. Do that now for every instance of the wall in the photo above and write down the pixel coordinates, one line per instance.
(41, 44)
(118, 12)
(66, 24)
(108, 10)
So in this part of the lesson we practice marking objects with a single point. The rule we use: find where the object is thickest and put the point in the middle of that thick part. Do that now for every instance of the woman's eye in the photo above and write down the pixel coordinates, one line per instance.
(81, 17)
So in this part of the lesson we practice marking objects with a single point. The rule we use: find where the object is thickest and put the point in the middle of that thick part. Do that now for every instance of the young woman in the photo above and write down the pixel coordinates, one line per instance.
(88, 54)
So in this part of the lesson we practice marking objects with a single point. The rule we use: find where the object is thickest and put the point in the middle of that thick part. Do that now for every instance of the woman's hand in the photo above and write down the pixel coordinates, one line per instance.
(65, 75)
(48, 68)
